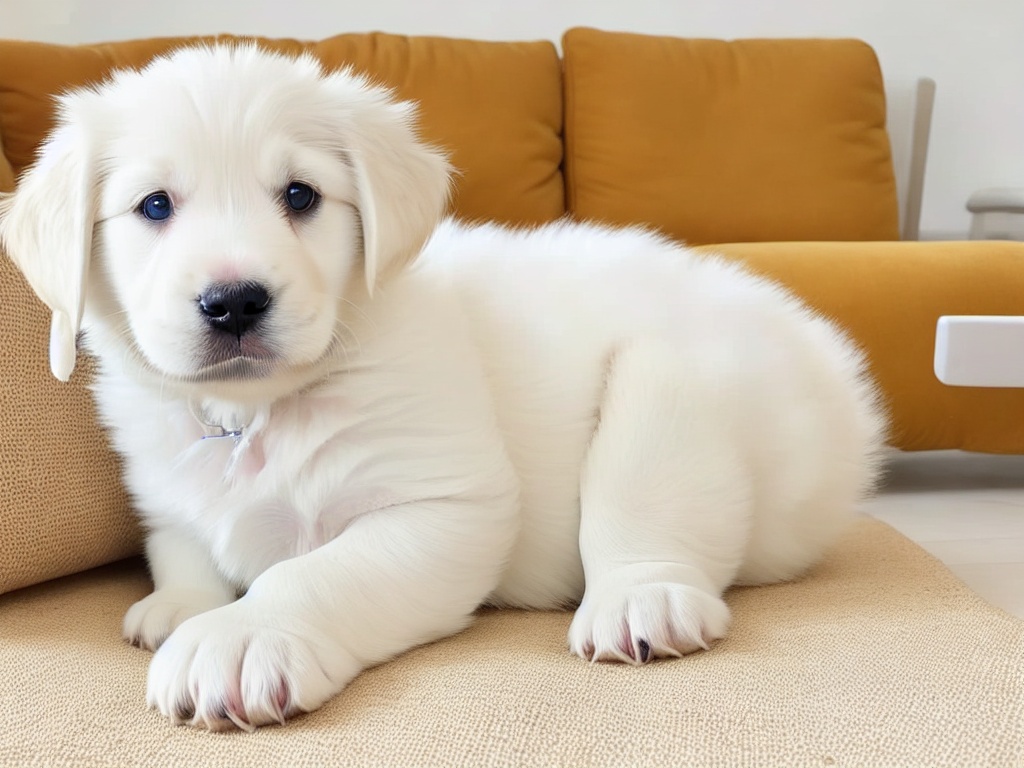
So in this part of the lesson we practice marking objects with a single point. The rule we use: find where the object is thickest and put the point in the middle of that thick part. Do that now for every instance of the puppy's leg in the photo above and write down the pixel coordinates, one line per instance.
(185, 584)
(666, 504)
(393, 579)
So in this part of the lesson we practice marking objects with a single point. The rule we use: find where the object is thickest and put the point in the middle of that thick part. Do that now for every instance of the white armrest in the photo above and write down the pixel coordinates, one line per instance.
(997, 214)
(980, 351)
(997, 199)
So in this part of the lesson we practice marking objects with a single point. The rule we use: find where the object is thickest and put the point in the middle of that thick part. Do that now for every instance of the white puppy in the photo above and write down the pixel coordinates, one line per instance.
(367, 447)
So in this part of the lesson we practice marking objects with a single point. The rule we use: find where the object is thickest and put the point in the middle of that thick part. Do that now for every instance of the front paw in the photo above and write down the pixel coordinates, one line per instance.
(151, 620)
(228, 668)
(639, 622)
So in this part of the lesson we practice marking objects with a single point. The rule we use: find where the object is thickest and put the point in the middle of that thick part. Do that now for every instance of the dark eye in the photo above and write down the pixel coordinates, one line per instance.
(300, 197)
(156, 207)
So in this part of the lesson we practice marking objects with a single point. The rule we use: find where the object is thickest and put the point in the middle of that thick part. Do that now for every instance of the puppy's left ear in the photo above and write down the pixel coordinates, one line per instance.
(402, 184)
(46, 228)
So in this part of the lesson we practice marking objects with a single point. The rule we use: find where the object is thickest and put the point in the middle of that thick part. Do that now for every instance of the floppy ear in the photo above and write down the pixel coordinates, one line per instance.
(46, 228)
(402, 184)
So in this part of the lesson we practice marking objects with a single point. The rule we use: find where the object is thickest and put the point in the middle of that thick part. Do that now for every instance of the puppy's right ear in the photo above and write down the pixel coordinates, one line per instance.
(402, 183)
(46, 228)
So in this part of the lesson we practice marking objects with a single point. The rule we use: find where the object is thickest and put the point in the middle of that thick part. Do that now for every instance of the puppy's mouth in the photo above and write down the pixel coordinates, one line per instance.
(235, 364)
(228, 358)
(239, 368)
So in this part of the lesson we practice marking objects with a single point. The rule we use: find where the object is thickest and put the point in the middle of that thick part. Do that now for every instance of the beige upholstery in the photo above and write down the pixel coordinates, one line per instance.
(879, 657)
(62, 505)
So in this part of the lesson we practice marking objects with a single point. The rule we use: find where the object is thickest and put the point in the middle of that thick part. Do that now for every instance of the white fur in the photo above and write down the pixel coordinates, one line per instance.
(526, 418)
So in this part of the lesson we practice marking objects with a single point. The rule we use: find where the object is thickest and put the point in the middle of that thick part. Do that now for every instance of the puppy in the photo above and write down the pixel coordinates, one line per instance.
(368, 421)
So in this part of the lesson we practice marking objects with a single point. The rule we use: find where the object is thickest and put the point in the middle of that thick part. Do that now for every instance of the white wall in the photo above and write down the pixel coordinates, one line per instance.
(974, 49)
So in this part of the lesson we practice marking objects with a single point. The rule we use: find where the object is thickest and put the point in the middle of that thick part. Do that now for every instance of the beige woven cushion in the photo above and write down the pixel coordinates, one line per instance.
(62, 506)
(880, 657)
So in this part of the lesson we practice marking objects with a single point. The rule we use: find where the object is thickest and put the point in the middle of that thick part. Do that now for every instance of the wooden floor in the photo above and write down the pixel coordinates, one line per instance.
(967, 510)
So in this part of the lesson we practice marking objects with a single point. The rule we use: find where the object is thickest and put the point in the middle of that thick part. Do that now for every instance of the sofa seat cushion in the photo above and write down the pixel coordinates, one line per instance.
(889, 297)
(496, 107)
(879, 656)
(713, 141)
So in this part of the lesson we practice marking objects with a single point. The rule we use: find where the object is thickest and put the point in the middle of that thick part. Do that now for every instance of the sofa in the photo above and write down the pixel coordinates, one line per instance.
(772, 152)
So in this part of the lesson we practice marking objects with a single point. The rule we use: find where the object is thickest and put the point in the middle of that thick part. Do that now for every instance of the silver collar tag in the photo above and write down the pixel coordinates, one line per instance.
(212, 430)
(217, 432)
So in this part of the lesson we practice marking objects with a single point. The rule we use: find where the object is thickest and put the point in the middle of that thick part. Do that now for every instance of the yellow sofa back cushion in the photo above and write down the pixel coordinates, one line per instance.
(496, 107)
(713, 141)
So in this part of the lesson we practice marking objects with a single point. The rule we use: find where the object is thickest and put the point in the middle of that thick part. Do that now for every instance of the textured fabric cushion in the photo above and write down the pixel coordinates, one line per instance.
(714, 141)
(62, 508)
(890, 297)
(496, 107)
(879, 657)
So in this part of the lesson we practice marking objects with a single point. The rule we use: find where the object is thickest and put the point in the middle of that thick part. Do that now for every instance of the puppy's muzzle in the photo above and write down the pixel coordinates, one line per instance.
(234, 308)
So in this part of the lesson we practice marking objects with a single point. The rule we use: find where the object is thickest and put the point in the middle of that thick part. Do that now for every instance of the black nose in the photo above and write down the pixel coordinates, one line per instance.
(234, 307)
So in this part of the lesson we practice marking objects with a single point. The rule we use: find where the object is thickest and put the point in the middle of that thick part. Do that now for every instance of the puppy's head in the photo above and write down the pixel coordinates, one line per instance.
(214, 212)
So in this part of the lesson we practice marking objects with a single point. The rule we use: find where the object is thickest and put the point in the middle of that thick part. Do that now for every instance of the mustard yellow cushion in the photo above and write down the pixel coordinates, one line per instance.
(889, 296)
(714, 141)
(496, 107)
